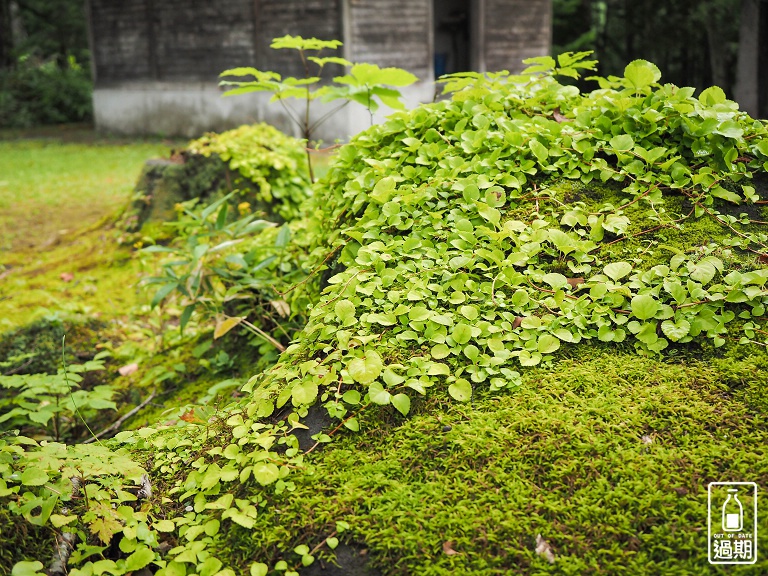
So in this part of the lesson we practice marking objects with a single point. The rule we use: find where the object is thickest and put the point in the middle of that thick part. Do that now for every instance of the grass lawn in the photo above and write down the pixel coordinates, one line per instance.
(55, 187)
(51, 186)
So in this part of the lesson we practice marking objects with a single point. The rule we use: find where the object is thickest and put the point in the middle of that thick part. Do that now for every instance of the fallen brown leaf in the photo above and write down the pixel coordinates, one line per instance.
(544, 549)
(573, 282)
(516, 322)
(67, 276)
(128, 369)
(557, 115)
(448, 548)
(281, 307)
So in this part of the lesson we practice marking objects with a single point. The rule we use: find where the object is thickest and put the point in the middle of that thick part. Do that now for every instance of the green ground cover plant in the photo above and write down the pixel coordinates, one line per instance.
(526, 326)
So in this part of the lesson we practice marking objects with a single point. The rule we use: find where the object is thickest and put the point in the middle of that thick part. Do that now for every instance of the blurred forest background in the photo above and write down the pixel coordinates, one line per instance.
(45, 70)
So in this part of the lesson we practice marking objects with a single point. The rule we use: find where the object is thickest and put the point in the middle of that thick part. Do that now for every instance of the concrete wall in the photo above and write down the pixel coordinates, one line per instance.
(190, 109)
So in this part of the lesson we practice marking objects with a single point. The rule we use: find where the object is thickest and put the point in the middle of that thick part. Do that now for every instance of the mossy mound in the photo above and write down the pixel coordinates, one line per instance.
(606, 456)
(267, 169)
(40, 348)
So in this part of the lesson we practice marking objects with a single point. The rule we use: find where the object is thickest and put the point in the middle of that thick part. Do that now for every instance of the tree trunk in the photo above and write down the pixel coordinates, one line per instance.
(6, 35)
(747, 87)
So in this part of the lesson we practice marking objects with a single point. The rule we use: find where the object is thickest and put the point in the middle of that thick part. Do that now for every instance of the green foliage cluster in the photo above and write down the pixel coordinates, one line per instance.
(35, 93)
(224, 271)
(366, 84)
(268, 160)
(469, 245)
(461, 260)
(46, 406)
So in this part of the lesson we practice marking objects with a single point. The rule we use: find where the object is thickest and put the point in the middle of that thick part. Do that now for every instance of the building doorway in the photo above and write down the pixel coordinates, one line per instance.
(453, 37)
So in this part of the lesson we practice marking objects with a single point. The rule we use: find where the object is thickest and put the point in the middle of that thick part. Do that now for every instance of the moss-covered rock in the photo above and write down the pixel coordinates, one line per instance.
(267, 169)
(37, 348)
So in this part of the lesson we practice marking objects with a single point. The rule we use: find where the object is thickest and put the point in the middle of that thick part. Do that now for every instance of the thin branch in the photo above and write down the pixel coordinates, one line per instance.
(264, 335)
(317, 123)
(119, 422)
(19, 368)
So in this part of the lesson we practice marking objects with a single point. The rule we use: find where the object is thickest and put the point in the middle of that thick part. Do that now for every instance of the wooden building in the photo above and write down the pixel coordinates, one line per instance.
(156, 63)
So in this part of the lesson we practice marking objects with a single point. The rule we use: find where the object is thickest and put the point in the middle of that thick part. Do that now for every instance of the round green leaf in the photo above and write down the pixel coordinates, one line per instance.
(644, 306)
(712, 96)
(365, 370)
(461, 333)
(440, 351)
(304, 393)
(259, 569)
(675, 330)
(33, 476)
(378, 394)
(27, 568)
(469, 312)
(139, 559)
(351, 397)
(642, 73)
(332, 542)
(547, 344)
(345, 311)
(529, 358)
(555, 280)
(402, 403)
(622, 142)
(265, 473)
(617, 270)
(460, 390)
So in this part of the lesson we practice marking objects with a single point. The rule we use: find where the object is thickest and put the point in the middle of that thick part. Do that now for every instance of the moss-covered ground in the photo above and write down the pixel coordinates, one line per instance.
(607, 455)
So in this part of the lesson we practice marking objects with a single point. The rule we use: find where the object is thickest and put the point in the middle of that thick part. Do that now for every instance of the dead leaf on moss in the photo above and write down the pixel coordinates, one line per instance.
(67, 276)
(225, 325)
(448, 548)
(281, 307)
(558, 116)
(544, 549)
(128, 369)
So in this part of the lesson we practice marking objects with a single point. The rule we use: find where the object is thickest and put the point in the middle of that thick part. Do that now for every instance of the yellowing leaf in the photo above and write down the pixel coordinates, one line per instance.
(164, 526)
(224, 326)
(59, 520)
(366, 369)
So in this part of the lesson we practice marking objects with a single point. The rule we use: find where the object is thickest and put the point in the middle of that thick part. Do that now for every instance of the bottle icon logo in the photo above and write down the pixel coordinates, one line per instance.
(733, 512)
(732, 522)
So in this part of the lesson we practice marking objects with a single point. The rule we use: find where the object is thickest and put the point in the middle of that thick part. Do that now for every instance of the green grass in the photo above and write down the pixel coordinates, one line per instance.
(57, 195)
(50, 186)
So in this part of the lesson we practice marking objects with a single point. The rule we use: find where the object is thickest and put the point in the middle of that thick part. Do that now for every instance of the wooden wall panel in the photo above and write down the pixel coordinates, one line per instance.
(392, 33)
(515, 30)
(120, 40)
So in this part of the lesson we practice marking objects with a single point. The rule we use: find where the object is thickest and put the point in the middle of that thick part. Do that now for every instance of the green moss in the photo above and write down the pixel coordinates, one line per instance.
(607, 457)
(40, 344)
(22, 541)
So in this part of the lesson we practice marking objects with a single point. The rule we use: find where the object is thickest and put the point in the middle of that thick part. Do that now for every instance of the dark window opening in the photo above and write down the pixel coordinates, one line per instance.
(452, 36)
